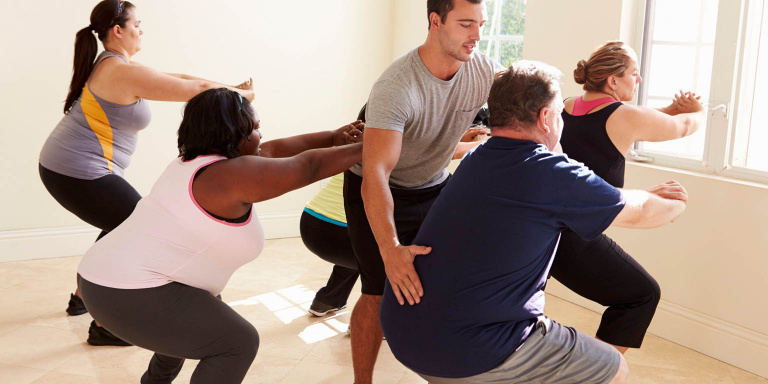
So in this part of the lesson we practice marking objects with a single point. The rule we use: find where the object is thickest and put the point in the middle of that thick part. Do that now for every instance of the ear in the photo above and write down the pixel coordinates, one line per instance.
(117, 32)
(611, 81)
(544, 116)
(434, 20)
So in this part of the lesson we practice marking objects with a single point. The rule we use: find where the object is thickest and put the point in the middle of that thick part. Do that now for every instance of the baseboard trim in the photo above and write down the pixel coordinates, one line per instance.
(45, 243)
(731, 343)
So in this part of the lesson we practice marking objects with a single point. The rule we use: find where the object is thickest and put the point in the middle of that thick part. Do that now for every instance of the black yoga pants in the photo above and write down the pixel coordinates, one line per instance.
(104, 202)
(177, 322)
(601, 271)
(331, 243)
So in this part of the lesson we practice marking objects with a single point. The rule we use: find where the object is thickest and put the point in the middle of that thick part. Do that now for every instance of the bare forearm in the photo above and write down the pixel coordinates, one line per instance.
(463, 147)
(647, 210)
(326, 162)
(379, 208)
(292, 146)
(204, 85)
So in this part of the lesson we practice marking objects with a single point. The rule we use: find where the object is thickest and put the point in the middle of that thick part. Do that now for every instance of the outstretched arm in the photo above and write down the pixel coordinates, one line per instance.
(659, 205)
(291, 146)
(250, 179)
(151, 84)
(631, 123)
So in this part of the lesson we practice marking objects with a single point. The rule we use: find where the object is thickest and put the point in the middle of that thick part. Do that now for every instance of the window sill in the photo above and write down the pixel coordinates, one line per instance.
(702, 175)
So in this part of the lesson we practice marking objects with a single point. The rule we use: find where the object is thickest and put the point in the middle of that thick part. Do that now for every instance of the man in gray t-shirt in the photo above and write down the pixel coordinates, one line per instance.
(417, 112)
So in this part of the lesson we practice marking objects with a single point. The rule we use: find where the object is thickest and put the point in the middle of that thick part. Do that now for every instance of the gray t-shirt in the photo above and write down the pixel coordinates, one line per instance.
(431, 113)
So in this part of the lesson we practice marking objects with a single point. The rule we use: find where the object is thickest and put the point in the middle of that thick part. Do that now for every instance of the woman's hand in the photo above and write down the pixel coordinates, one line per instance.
(246, 89)
(476, 133)
(349, 134)
(683, 102)
(688, 102)
(248, 84)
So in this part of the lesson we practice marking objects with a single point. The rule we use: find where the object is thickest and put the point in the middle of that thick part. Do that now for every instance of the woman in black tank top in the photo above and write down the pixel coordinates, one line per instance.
(599, 131)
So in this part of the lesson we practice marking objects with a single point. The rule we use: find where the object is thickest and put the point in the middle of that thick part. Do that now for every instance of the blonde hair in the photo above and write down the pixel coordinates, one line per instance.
(610, 59)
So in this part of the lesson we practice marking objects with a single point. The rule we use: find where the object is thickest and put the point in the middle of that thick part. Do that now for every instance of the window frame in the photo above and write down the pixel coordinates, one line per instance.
(727, 89)
(497, 38)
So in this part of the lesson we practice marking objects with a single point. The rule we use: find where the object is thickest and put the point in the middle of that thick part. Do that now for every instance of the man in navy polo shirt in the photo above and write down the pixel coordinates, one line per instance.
(493, 232)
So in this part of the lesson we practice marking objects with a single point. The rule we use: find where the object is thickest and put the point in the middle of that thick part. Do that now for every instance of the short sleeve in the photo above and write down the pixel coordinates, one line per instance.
(589, 204)
(389, 106)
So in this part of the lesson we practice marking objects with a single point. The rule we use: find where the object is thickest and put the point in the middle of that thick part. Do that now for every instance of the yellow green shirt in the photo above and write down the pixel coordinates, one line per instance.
(328, 204)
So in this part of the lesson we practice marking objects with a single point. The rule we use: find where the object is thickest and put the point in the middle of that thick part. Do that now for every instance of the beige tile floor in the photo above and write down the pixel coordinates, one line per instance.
(40, 344)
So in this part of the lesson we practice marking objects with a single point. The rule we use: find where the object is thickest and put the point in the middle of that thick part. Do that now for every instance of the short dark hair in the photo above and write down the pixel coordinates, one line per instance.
(215, 121)
(442, 7)
(520, 92)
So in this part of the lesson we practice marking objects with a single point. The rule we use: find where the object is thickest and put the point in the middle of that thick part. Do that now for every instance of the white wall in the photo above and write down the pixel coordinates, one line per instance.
(312, 63)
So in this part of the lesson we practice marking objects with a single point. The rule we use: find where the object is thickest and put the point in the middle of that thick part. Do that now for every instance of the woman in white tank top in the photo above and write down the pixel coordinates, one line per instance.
(82, 161)
(153, 280)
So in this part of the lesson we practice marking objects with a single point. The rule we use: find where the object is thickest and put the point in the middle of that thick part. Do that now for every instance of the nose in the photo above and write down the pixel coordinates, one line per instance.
(639, 79)
(476, 28)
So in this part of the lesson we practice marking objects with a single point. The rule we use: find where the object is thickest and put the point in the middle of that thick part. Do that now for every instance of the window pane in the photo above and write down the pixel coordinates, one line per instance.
(503, 32)
(671, 69)
(681, 58)
(505, 52)
(676, 20)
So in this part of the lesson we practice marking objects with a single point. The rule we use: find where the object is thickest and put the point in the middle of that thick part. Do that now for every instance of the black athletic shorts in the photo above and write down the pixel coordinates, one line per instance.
(411, 207)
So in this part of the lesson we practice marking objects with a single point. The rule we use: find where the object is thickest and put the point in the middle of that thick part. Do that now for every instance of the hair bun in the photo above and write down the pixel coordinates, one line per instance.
(580, 73)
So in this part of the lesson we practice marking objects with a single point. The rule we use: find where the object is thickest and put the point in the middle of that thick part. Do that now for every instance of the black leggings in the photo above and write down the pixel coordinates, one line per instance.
(601, 271)
(104, 202)
(331, 243)
(177, 322)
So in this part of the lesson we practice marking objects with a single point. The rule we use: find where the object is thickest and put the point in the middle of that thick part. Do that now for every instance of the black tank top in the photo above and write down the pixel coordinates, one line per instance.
(586, 140)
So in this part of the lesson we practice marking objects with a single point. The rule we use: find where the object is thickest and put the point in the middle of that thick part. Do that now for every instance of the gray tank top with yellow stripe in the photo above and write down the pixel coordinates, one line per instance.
(96, 137)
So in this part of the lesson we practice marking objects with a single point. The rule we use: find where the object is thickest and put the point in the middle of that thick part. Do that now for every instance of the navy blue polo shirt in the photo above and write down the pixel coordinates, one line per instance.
(493, 231)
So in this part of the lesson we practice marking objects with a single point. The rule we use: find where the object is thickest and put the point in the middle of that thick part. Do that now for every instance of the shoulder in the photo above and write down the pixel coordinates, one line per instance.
(484, 64)
(568, 105)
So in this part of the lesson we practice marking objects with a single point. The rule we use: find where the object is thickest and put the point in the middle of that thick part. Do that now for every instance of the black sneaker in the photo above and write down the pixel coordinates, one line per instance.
(321, 309)
(75, 306)
(100, 336)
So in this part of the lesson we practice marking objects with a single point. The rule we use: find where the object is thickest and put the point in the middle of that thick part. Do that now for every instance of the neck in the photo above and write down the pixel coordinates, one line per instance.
(440, 64)
(516, 133)
(118, 50)
(593, 95)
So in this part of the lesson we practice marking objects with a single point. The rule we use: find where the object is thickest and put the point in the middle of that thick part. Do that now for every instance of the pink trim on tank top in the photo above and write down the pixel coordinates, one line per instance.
(191, 196)
(581, 107)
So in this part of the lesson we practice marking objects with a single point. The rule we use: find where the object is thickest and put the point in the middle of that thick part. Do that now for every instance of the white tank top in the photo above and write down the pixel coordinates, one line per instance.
(169, 237)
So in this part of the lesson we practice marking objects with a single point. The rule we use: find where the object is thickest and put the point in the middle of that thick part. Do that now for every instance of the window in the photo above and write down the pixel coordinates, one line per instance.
(502, 37)
(718, 49)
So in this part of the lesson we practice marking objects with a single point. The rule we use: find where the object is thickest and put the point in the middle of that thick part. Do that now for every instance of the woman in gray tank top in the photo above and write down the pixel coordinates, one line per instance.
(83, 160)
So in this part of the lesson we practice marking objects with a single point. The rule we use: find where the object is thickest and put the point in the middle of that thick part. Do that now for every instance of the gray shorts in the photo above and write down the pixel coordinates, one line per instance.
(552, 354)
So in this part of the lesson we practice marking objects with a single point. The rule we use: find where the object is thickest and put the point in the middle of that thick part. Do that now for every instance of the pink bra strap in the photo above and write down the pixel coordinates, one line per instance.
(581, 107)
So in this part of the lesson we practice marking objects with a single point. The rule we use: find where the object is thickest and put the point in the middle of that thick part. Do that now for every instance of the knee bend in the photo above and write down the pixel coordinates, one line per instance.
(622, 374)
(248, 343)
(654, 292)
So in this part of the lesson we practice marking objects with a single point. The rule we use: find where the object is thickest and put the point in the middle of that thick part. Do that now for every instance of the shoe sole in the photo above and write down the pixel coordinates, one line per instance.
(99, 343)
(321, 314)
(76, 312)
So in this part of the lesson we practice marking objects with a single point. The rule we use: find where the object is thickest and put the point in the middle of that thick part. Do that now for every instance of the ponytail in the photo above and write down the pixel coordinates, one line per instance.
(86, 48)
(104, 16)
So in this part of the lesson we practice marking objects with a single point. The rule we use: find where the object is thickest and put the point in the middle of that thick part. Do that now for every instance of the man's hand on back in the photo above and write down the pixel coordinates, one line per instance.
(398, 263)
